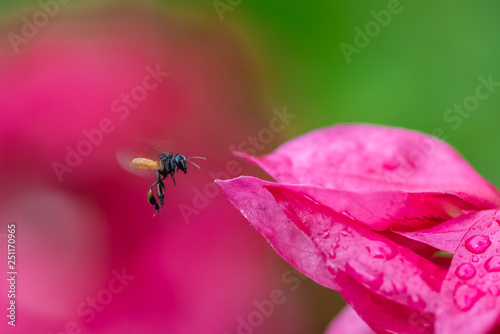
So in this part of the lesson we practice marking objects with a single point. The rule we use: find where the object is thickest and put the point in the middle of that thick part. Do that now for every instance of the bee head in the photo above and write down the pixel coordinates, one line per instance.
(180, 162)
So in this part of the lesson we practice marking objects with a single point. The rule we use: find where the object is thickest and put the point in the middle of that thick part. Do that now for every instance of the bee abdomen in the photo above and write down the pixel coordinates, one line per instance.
(144, 163)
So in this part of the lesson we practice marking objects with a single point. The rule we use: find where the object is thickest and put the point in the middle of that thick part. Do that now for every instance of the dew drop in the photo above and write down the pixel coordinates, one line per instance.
(490, 303)
(397, 288)
(382, 251)
(365, 275)
(494, 290)
(461, 255)
(465, 271)
(493, 263)
(475, 258)
(416, 302)
(478, 243)
(465, 296)
(333, 270)
(345, 233)
(333, 250)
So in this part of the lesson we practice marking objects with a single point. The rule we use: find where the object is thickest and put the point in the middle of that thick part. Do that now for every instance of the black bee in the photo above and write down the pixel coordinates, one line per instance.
(168, 164)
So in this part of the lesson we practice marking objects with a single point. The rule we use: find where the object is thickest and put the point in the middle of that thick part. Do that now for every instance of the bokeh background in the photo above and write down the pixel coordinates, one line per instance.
(198, 267)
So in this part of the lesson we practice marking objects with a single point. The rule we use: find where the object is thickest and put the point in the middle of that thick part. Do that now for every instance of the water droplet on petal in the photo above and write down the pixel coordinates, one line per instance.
(465, 271)
(382, 251)
(461, 255)
(416, 302)
(466, 296)
(365, 275)
(345, 233)
(333, 250)
(475, 258)
(493, 263)
(478, 243)
(494, 290)
(397, 288)
(490, 303)
(333, 270)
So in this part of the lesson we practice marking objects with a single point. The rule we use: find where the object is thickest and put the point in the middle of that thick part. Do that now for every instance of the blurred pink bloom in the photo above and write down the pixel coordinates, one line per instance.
(363, 210)
(90, 255)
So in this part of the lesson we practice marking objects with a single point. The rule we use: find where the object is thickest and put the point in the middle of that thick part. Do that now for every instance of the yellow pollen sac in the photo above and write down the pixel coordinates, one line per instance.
(144, 163)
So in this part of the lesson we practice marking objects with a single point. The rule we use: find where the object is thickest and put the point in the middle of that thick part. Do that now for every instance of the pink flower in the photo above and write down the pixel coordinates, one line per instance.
(364, 209)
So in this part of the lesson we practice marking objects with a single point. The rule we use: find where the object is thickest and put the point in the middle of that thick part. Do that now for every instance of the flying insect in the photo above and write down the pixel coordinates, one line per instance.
(168, 164)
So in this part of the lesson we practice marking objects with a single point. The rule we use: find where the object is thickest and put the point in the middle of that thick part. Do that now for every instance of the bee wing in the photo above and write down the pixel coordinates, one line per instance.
(135, 161)
(155, 146)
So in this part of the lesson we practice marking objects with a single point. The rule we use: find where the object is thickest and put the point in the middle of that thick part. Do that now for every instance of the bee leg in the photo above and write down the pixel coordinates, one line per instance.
(161, 193)
(152, 201)
(173, 178)
(160, 188)
(151, 197)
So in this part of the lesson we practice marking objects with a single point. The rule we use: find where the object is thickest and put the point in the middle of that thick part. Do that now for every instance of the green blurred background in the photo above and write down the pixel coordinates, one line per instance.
(427, 59)
(423, 62)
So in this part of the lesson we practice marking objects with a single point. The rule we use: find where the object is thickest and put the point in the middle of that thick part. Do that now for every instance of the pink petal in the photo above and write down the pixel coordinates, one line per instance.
(348, 322)
(367, 158)
(258, 205)
(382, 209)
(384, 282)
(470, 294)
(447, 235)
